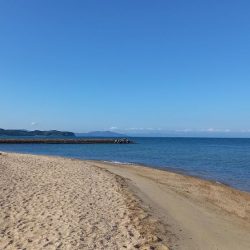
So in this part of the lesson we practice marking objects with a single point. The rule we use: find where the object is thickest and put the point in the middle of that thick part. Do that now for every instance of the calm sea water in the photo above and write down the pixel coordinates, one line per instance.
(222, 160)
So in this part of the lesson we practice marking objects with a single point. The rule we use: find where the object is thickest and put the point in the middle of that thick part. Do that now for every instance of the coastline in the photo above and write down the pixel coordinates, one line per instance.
(177, 210)
(167, 169)
(210, 159)
(153, 172)
(162, 168)
(198, 214)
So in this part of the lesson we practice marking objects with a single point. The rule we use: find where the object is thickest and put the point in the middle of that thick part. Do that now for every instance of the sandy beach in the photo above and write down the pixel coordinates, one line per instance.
(196, 214)
(57, 203)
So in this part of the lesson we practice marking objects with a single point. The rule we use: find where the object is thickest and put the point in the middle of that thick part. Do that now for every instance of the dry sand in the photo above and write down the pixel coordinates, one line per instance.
(57, 203)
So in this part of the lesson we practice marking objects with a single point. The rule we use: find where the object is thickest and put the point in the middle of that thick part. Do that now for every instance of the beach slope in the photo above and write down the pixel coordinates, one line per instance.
(198, 214)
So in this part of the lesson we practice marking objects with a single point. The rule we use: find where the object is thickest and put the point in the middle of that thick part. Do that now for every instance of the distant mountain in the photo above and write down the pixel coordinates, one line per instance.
(101, 134)
(16, 132)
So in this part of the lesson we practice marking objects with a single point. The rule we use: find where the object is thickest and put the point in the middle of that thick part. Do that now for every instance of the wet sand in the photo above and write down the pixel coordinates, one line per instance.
(57, 203)
(197, 214)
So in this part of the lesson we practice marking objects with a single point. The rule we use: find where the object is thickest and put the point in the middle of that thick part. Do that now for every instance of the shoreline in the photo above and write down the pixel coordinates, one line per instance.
(169, 170)
(197, 214)
(184, 212)
(165, 168)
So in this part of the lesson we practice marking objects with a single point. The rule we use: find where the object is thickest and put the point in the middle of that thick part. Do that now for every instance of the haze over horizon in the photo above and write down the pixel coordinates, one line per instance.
(135, 67)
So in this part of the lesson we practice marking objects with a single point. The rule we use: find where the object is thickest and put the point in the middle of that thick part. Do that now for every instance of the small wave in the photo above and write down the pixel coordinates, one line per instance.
(119, 162)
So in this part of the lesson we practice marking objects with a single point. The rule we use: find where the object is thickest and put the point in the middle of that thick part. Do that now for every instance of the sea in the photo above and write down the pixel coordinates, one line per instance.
(222, 160)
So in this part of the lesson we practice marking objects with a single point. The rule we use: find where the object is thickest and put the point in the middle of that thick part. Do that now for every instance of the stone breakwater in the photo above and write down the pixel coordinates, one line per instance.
(65, 141)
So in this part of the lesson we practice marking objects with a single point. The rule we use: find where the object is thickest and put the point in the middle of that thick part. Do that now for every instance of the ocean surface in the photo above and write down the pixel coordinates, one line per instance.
(223, 160)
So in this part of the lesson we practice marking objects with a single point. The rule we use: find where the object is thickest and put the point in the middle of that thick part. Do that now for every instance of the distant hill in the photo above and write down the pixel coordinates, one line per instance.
(16, 132)
(101, 134)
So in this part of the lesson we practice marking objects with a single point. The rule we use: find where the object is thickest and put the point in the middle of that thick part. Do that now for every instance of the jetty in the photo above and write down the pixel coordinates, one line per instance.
(66, 141)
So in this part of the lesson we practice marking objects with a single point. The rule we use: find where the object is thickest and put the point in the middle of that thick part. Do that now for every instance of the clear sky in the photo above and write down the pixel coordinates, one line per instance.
(131, 65)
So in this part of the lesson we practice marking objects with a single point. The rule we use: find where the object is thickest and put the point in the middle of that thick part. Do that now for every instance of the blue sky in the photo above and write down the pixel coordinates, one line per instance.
(140, 66)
